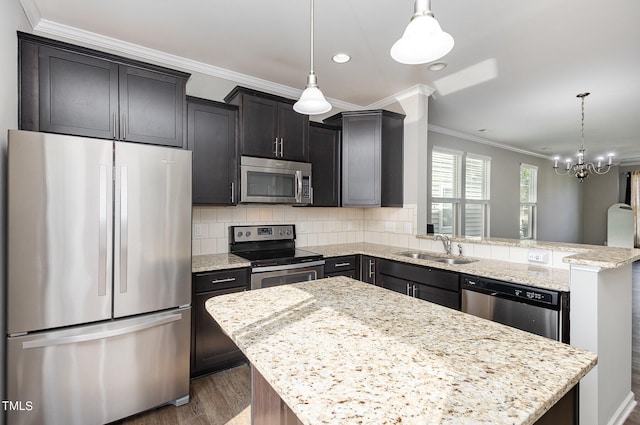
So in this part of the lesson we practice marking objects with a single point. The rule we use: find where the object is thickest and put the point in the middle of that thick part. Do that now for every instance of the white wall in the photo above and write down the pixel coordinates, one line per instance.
(12, 18)
(599, 193)
(559, 200)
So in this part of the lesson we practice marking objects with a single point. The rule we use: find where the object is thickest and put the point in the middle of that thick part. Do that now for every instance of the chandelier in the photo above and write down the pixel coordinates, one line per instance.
(581, 169)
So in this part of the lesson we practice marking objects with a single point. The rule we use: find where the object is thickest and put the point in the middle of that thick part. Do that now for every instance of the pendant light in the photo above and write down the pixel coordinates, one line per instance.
(312, 101)
(423, 40)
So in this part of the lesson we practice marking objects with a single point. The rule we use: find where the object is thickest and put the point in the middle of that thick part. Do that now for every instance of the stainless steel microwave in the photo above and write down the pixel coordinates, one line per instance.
(273, 181)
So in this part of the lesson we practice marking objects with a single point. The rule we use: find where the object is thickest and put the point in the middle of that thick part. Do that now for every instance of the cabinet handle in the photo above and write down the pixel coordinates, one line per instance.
(415, 291)
(408, 285)
(233, 193)
(370, 268)
(228, 279)
(281, 147)
(342, 264)
(115, 124)
(124, 127)
(275, 152)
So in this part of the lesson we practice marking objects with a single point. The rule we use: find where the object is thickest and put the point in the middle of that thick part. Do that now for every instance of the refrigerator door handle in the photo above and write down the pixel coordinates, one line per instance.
(124, 229)
(73, 339)
(102, 247)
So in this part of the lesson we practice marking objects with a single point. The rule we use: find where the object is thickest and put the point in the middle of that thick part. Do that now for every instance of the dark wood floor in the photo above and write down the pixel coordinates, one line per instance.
(225, 397)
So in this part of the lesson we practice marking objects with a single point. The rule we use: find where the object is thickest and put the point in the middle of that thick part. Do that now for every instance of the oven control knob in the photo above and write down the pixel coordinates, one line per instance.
(239, 234)
(288, 232)
(280, 232)
(247, 233)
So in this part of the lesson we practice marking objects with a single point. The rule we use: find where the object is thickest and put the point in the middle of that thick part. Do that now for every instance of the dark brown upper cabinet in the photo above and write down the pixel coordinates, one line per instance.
(211, 135)
(69, 89)
(372, 157)
(324, 155)
(269, 127)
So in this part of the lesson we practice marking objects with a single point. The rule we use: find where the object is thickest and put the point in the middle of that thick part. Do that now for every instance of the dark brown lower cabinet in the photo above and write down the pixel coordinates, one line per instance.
(211, 348)
(341, 266)
(429, 284)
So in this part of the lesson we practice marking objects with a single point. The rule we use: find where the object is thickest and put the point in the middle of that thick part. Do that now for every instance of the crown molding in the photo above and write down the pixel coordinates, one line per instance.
(94, 40)
(419, 89)
(471, 138)
(32, 11)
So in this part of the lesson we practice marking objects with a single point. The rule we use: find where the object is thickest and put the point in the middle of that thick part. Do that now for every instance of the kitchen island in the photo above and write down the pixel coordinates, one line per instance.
(340, 351)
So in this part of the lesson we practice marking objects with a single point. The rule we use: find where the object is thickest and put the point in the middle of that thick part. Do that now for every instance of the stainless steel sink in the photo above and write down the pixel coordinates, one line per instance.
(420, 255)
(434, 257)
(455, 260)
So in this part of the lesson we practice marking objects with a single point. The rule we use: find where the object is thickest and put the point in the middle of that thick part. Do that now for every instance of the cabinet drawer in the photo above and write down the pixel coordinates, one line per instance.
(221, 280)
(425, 275)
(449, 299)
(339, 264)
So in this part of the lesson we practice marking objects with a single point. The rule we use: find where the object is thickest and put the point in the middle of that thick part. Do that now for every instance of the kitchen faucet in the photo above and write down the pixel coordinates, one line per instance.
(446, 242)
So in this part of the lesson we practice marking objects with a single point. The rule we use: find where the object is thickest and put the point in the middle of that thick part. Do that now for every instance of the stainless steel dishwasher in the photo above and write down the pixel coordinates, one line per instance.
(540, 311)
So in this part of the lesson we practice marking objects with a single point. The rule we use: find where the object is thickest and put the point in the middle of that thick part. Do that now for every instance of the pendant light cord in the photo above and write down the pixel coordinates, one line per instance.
(582, 121)
(311, 37)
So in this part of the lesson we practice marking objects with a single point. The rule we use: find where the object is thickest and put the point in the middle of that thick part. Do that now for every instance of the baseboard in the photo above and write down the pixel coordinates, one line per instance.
(623, 411)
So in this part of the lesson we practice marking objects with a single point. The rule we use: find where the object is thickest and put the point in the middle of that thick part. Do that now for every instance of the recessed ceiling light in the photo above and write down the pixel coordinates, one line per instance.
(341, 58)
(437, 66)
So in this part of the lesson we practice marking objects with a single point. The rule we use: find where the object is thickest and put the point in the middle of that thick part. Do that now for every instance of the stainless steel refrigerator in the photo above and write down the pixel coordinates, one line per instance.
(99, 278)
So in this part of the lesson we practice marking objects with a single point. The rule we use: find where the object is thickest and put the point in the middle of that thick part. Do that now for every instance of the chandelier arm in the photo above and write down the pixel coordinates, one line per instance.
(565, 173)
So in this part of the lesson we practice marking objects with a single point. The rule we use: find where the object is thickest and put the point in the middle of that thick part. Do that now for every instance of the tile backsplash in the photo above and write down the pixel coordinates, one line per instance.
(314, 226)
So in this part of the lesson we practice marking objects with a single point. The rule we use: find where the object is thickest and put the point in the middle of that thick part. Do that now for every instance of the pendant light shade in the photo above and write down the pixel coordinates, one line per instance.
(312, 101)
(423, 40)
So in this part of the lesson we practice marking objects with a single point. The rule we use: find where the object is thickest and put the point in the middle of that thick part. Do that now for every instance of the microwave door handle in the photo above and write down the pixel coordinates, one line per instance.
(299, 186)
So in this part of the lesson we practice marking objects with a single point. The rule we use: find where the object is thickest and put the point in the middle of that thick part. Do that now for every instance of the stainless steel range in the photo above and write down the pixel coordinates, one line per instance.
(275, 260)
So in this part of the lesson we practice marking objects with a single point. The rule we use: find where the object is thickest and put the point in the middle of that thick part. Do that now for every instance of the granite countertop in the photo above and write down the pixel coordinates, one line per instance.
(341, 351)
(607, 257)
(526, 274)
(213, 262)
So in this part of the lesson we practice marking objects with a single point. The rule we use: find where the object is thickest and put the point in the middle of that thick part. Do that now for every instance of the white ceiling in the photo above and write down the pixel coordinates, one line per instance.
(515, 69)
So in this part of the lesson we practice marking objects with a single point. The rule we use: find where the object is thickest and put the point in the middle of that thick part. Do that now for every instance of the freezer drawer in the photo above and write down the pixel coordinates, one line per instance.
(100, 373)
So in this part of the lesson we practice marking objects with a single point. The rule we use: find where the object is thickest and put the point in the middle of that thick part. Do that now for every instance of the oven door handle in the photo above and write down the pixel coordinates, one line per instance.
(306, 265)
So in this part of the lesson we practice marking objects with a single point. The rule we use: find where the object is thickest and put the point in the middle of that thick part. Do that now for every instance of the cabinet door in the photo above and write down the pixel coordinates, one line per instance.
(361, 160)
(259, 131)
(212, 347)
(78, 94)
(151, 107)
(324, 155)
(211, 135)
(293, 131)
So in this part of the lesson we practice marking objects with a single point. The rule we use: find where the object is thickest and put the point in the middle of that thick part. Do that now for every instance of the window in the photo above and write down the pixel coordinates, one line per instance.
(445, 190)
(528, 200)
(459, 204)
(476, 208)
